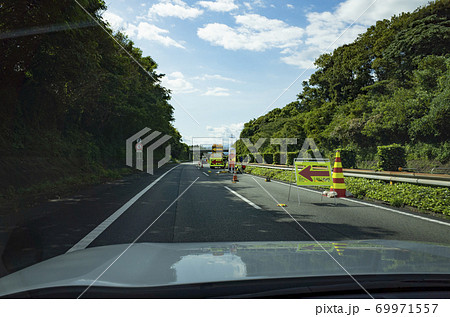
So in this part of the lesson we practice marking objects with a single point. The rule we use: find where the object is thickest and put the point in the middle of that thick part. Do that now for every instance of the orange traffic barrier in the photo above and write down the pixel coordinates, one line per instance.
(338, 177)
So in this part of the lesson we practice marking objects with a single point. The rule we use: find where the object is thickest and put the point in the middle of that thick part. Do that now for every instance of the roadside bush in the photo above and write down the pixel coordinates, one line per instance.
(397, 202)
(391, 157)
(291, 156)
(436, 199)
(444, 153)
(276, 158)
(268, 158)
(348, 158)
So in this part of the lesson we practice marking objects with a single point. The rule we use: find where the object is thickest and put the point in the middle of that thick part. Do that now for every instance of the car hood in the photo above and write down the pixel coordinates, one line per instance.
(157, 264)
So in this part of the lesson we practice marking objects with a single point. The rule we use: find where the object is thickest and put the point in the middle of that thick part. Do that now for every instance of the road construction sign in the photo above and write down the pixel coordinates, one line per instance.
(232, 157)
(312, 172)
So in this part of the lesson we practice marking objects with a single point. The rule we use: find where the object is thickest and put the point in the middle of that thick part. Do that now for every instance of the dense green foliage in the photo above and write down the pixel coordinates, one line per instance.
(391, 157)
(348, 158)
(436, 199)
(431, 198)
(391, 85)
(65, 80)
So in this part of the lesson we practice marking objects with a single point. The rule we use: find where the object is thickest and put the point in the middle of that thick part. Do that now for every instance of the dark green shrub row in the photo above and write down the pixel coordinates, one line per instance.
(268, 158)
(391, 157)
(274, 158)
(348, 158)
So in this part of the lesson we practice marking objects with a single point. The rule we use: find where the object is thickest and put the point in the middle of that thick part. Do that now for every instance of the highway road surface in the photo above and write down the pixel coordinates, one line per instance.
(182, 203)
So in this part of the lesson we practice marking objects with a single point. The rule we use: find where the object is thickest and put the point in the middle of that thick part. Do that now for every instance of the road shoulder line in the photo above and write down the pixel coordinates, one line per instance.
(91, 236)
(243, 198)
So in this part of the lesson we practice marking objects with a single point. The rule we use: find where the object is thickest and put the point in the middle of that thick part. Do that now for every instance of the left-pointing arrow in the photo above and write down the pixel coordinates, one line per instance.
(308, 174)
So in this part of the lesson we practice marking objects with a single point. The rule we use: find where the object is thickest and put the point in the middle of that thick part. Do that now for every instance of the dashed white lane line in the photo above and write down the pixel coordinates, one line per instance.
(205, 174)
(371, 205)
(243, 198)
(83, 243)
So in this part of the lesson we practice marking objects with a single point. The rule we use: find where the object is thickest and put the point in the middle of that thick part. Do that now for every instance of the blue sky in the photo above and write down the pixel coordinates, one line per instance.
(228, 61)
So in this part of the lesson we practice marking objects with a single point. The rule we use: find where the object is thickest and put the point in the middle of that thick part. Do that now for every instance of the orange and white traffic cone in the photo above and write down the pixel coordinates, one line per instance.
(235, 179)
(338, 177)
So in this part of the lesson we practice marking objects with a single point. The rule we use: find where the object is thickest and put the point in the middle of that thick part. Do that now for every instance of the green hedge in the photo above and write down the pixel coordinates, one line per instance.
(291, 156)
(268, 158)
(250, 157)
(276, 158)
(391, 157)
(348, 158)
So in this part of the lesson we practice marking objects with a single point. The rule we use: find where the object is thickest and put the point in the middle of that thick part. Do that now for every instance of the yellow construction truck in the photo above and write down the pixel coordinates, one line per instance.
(216, 159)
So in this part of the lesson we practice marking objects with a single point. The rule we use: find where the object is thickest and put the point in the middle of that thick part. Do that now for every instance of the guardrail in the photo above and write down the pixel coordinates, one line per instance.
(440, 169)
(404, 177)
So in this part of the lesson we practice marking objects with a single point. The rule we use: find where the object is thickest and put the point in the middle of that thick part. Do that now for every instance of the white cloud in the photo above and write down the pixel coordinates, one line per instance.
(217, 92)
(151, 32)
(215, 77)
(303, 59)
(349, 10)
(178, 83)
(226, 130)
(325, 30)
(174, 8)
(113, 19)
(254, 4)
(290, 6)
(219, 5)
(248, 5)
(325, 27)
(259, 3)
(254, 33)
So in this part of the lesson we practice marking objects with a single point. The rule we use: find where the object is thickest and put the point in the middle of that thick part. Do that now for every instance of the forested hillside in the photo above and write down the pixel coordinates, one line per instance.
(391, 85)
(69, 95)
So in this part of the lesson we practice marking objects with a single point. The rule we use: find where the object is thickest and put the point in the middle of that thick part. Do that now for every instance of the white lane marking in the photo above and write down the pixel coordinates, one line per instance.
(369, 204)
(135, 240)
(312, 237)
(398, 211)
(243, 198)
(205, 174)
(83, 243)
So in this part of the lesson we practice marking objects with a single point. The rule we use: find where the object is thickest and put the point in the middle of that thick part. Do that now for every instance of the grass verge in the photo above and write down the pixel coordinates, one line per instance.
(421, 197)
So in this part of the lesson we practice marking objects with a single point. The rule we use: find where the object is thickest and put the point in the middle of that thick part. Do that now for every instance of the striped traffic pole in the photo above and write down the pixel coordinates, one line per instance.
(338, 177)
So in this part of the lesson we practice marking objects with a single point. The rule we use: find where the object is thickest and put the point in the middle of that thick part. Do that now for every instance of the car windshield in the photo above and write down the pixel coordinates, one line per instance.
(169, 142)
